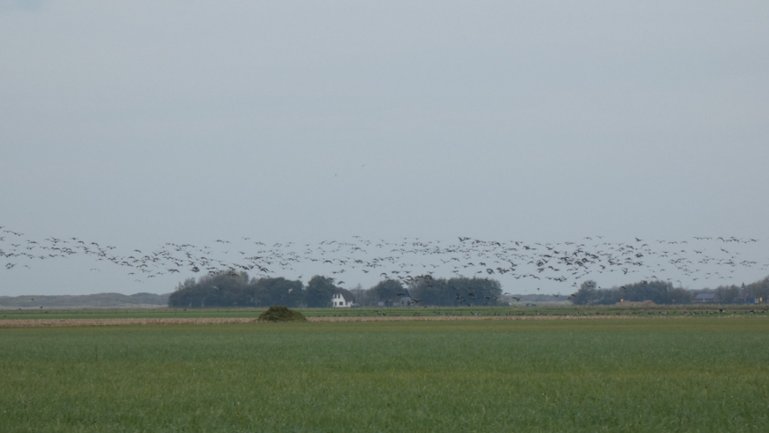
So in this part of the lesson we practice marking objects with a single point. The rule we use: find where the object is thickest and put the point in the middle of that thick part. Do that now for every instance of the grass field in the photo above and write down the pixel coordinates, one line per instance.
(682, 374)
(499, 311)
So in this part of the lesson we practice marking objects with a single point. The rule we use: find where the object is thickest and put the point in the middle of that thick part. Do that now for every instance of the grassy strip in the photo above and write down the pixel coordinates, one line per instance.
(631, 375)
(542, 310)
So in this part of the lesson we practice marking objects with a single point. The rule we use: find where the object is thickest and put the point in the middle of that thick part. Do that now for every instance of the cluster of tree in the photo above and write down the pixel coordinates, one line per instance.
(757, 292)
(659, 292)
(426, 290)
(662, 292)
(230, 289)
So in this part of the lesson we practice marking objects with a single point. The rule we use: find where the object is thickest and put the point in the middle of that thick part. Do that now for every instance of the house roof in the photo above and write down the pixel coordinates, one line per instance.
(346, 294)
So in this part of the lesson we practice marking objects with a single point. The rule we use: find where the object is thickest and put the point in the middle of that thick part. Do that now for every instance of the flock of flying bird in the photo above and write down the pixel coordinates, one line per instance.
(544, 263)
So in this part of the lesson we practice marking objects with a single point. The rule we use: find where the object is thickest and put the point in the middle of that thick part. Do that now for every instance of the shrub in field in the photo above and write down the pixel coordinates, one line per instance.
(279, 313)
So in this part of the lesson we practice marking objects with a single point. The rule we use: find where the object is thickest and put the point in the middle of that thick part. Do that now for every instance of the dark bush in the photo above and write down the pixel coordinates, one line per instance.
(279, 313)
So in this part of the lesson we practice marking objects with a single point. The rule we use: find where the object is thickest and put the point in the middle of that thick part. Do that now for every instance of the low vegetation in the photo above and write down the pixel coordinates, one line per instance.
(637, 374)
(280, 313)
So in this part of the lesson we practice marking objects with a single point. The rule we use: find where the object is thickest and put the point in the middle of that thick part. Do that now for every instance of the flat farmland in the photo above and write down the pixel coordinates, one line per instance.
(628, 374)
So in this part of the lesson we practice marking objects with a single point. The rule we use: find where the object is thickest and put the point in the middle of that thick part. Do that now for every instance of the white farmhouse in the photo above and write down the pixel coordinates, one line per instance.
(342, 299)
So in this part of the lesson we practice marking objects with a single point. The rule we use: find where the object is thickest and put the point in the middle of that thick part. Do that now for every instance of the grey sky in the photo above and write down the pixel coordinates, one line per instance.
(137, 123)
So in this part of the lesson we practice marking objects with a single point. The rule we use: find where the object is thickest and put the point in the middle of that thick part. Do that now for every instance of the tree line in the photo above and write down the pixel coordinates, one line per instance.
(663, 292)
(237, 289)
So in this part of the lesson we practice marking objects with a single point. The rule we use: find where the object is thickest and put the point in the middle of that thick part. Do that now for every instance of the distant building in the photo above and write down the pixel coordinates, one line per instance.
(342, 299)
(705, 298)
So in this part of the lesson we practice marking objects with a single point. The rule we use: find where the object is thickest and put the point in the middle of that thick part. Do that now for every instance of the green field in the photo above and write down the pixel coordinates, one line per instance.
(683, 374)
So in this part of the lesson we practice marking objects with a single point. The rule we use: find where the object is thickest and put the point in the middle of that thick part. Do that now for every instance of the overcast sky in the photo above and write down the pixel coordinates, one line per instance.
(138, 123)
